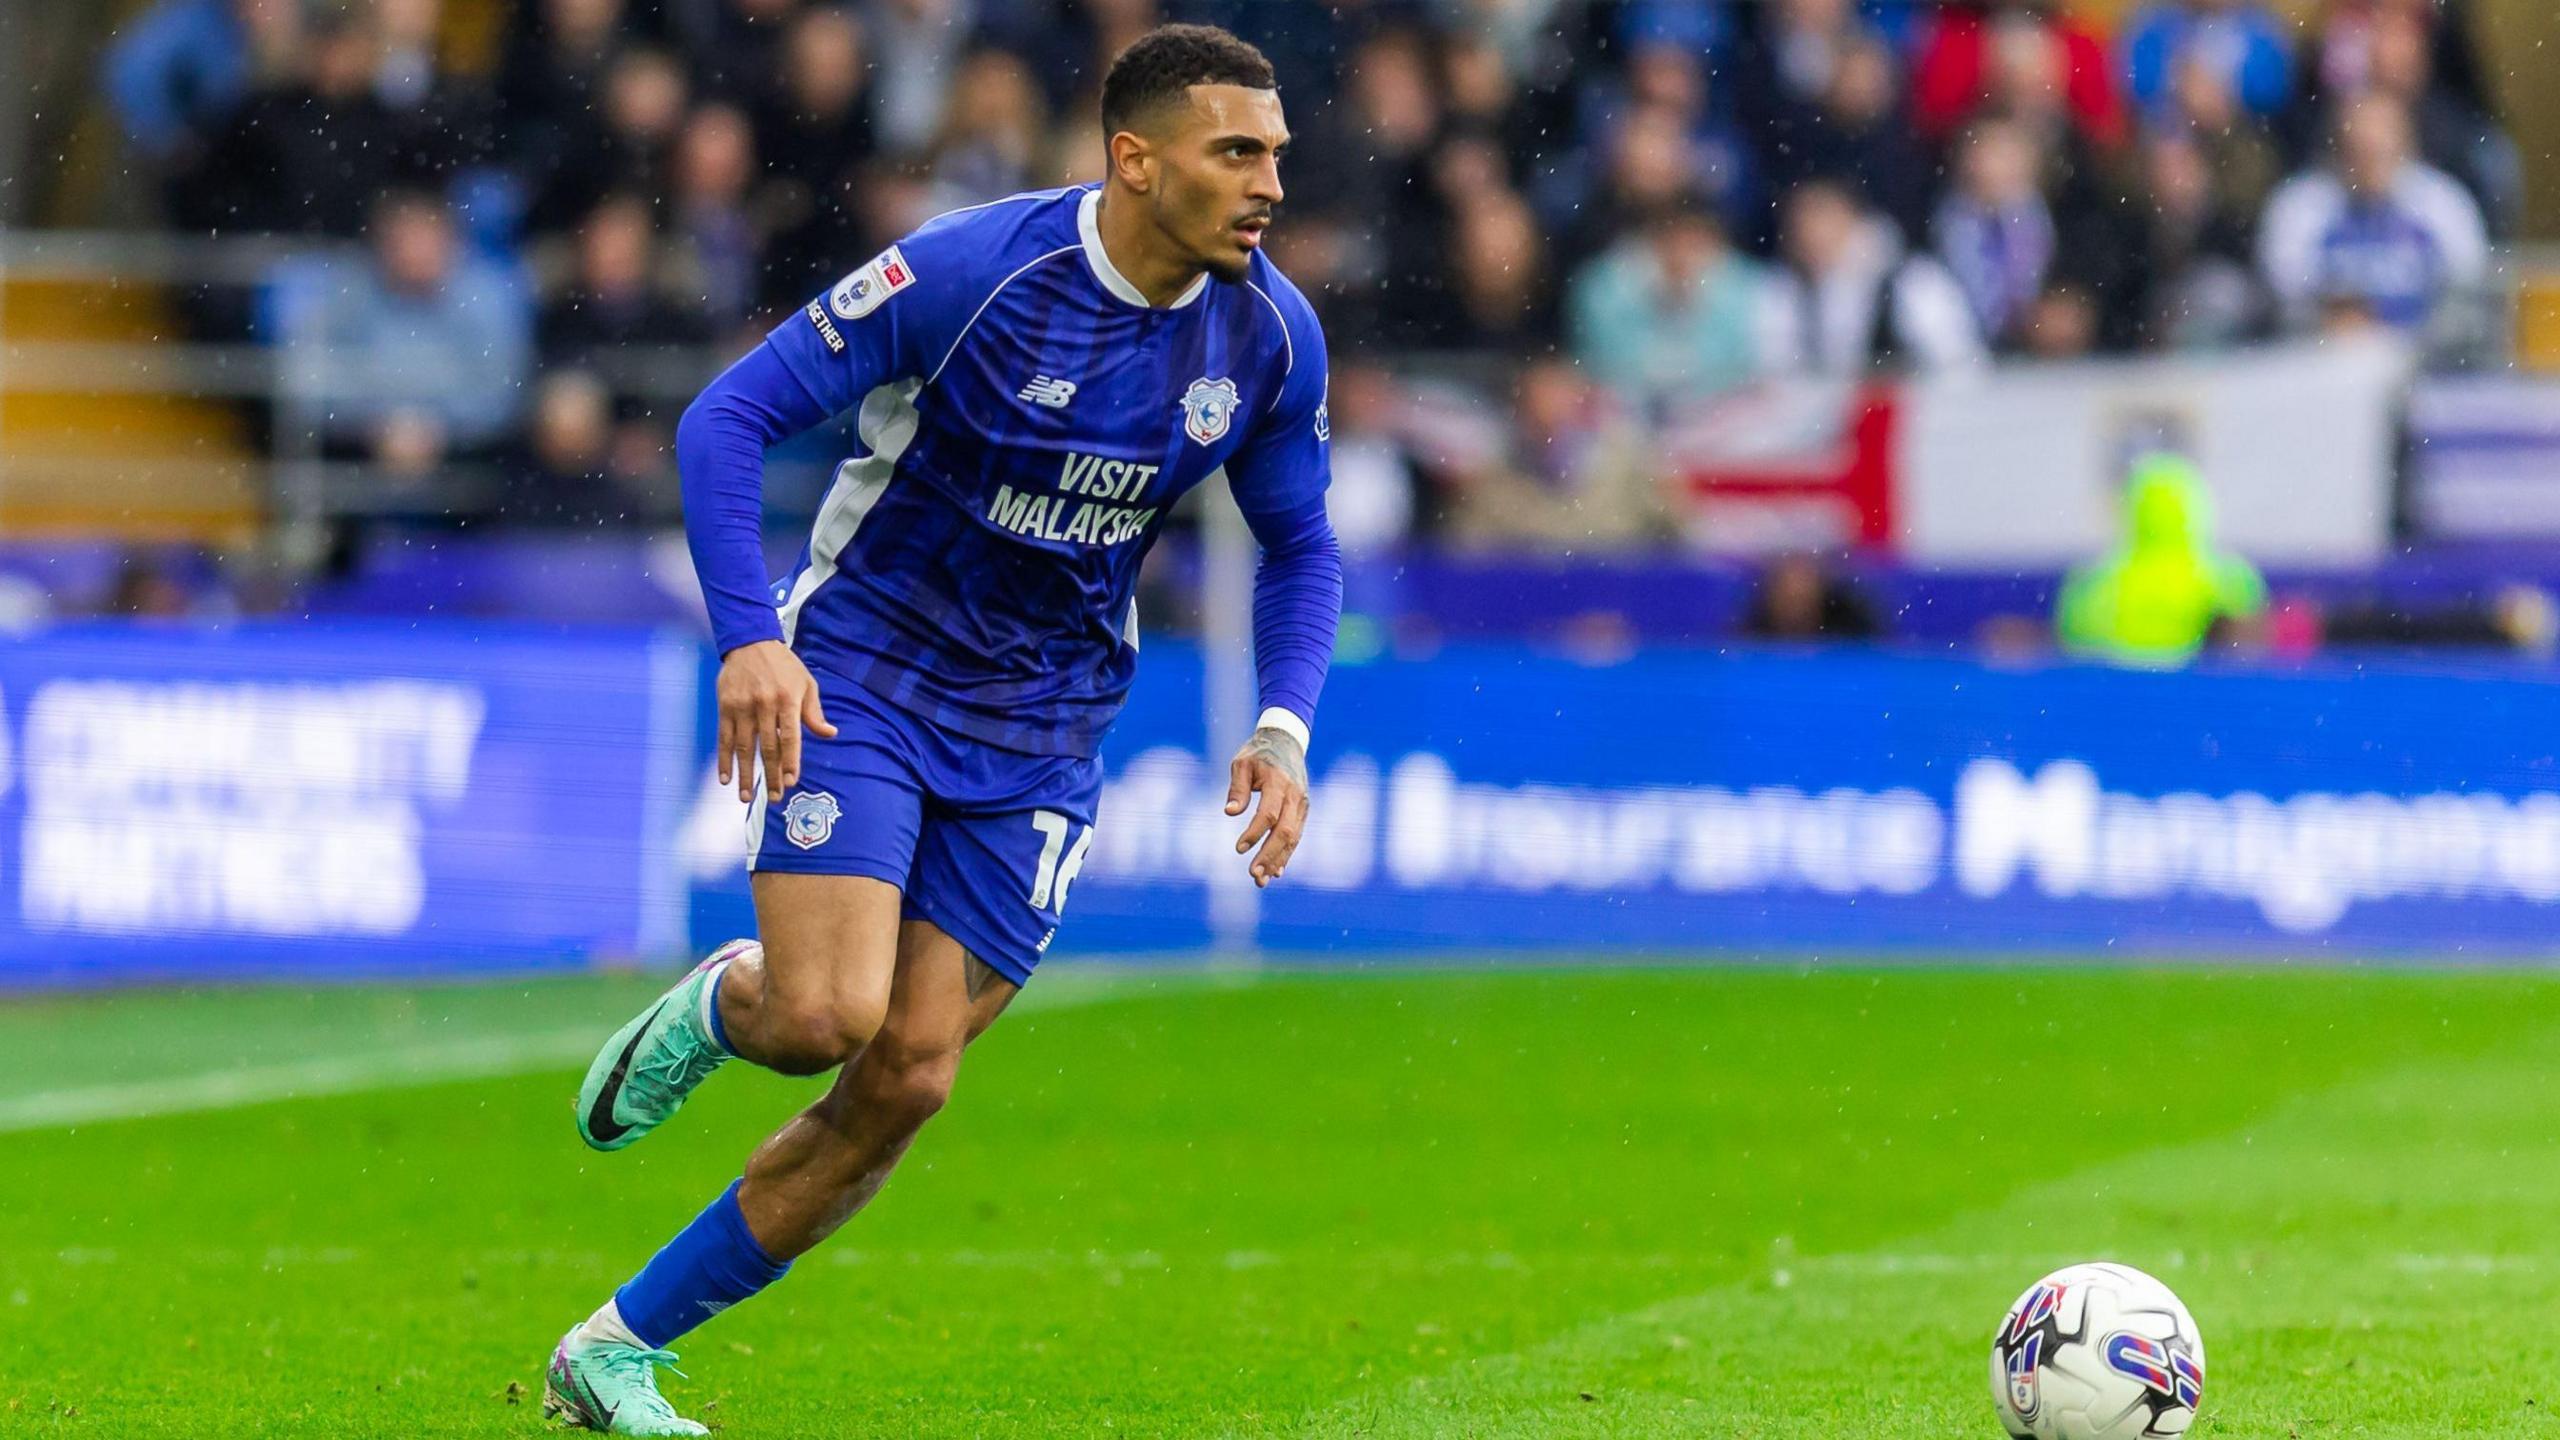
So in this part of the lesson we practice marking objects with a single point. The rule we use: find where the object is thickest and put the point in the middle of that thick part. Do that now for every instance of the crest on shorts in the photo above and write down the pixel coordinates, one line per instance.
(810, 818)
(1207, 408)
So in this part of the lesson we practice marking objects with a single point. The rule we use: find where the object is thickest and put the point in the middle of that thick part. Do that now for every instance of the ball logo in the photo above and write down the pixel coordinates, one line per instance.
(2024, 1393)
(810, 818)
(2173, 1373)
(2037, 1308)
(1207, 408)
(2022, 1341)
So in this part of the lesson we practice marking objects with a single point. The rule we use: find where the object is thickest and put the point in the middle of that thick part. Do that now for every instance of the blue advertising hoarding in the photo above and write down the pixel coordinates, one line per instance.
(365, 800)
(1852, 801)
(278, 800)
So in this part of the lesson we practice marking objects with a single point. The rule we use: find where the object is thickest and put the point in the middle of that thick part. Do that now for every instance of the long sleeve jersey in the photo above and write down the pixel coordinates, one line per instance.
(1026, 419)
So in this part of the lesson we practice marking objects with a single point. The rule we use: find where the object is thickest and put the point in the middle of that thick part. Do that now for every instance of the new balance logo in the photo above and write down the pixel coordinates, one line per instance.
(1044, 391)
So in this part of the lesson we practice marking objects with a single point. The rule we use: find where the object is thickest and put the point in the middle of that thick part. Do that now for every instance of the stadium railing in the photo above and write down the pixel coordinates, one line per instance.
(119, 416)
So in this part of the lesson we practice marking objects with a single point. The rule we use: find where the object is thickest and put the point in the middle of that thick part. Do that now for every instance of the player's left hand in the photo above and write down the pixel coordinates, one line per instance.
(1272, 766)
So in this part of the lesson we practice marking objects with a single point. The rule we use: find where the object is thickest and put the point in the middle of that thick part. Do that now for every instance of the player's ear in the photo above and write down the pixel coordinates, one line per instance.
(1133, 161)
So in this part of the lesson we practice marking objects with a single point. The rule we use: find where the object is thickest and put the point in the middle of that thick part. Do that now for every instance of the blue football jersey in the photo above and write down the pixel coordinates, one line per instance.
(1026, 420)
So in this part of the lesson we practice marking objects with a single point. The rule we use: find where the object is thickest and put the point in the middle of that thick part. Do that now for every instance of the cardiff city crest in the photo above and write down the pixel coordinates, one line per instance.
(810, 818)
(1207, 408)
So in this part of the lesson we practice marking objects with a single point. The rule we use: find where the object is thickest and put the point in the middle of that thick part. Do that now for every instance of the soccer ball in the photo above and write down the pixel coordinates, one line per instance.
(2097, 1352)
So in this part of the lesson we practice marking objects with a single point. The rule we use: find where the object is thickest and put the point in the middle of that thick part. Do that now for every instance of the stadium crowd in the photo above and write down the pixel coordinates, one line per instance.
(1614, 210)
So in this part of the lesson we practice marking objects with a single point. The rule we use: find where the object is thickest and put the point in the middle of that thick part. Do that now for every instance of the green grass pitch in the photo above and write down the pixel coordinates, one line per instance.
(1561, 1201)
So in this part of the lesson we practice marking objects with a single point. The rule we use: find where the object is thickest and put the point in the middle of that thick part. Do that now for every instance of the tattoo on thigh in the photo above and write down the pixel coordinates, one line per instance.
(981, 974)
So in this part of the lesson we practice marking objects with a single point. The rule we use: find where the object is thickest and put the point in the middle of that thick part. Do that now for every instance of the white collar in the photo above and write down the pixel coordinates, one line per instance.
(1089, 227)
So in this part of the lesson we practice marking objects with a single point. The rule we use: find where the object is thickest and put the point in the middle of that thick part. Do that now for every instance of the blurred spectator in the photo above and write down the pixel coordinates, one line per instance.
(1331, 262)
(175, 71)
(2452, 134)
(1960, 60)
(1376, 484)
(2085, 188)
(721, 237)
(1647, 164)
(2236, 148)
(312, 149)
(617, 298)
(1522, 31)
(917, 45)
(1484, 98)
(2164, 590)
(1373, 173)
(1798, 597)
(564, 474)
(647, 98)
(1501, 280)
(1669, 83)
(1298, 38)
(1994, 231)
(1856, 132)
(2027, 82)
(1670, 313)
(1114, 24)
(2337, 61)
(1703, 27)
(2516, 616)
(994, 139)
(2062, 324)
(1471, 175)
(812, 126)
(2239, 43)
(1577, 475)
(735, 46)
(2096, 218)
(1850, 298)
(551, 84)
(408, 72)
(2380, 230)
(814, 136)
(1786, 60)
(2201, 291)
(450, 120)
(555, 59)
(423, 352)
(147, 587)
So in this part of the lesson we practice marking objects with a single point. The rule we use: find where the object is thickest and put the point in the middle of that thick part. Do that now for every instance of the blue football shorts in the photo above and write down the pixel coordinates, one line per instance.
(981, 841)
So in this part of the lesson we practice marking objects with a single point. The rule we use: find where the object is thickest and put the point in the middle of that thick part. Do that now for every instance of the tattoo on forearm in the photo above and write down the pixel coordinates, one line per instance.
(1281, 749)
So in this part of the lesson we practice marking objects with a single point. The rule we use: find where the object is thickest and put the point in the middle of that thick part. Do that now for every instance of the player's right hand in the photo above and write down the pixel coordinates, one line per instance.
(766, 695)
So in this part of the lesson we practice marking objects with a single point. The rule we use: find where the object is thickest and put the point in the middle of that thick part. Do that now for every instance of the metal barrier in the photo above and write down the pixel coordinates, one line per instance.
(286, 382)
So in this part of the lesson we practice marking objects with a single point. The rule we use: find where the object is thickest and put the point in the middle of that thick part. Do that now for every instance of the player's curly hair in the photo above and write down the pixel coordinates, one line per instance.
(1161, 64)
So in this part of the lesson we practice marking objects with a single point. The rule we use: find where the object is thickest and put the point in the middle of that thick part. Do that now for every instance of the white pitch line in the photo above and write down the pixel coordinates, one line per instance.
(473, 1059)
(478, 1058)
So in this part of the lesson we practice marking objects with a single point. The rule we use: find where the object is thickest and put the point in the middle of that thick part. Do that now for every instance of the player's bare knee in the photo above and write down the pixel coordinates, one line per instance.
(906, 1084)
(814, 1036)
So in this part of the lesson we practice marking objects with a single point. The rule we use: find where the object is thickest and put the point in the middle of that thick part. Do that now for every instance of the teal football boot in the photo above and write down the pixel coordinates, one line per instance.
(649, 1066)
(601, 1385)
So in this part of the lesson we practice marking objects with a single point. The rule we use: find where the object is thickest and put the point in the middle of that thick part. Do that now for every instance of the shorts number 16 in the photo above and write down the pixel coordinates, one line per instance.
(1052, 876)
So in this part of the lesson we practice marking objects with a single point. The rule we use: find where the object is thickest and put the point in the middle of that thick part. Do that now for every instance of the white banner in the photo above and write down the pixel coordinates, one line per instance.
(2020, 466)
(2487, 465)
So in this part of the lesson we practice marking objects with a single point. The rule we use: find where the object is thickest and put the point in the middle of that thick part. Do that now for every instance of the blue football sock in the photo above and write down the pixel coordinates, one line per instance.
(711, 1265)
(719, 1027)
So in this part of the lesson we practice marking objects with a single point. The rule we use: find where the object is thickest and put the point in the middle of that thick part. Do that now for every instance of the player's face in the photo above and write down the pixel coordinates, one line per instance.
(1221, 176)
